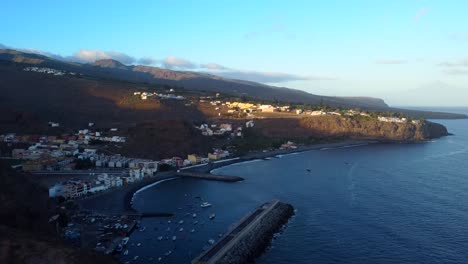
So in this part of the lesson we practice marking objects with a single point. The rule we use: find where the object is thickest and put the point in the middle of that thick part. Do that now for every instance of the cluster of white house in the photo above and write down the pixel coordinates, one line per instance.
(55, 152)
(138, 170)
(289, 145)
(88, 135)
(397, 120)
(77, 188)
(145, 95)
(222, 129)
(323, 112)
(47, 71)
(250, 107)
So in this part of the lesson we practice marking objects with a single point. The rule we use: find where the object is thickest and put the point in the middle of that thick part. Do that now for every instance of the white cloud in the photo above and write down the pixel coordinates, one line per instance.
(171, 62)
(457, 72)
(421, 12)
(460, 63)
(266, 77)
(88, 56)
(213, 66)
(44, 53)
(391, 61)
(148, 61)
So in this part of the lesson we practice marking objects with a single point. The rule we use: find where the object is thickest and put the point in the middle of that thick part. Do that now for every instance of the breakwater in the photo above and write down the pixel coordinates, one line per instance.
(249, 237)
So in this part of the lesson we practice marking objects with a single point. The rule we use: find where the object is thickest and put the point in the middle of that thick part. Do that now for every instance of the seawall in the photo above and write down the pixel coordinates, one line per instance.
(249, 237)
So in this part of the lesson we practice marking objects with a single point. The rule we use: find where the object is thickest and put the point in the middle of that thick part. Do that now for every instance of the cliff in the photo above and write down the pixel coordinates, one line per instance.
(360, 128)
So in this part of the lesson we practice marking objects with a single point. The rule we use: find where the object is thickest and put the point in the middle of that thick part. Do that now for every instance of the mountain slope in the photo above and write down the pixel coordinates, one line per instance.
(190, 80)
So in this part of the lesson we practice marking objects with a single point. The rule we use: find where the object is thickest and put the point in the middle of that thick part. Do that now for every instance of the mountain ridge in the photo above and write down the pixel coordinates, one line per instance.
(189, 79)
(110, 69)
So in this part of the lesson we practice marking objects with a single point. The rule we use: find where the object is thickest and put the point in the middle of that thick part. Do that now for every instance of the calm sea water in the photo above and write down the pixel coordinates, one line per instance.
(383, 203)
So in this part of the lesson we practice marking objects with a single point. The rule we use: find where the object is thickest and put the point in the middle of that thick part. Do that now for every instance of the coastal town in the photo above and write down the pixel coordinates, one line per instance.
(85, 150)
(86, 163)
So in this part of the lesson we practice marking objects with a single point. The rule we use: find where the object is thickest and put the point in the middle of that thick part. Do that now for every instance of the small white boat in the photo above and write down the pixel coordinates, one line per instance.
(159, 259)
(195, 222)
(194, 215)
(135, 258)
(211, 241)
(212, 216)
(168, 253)
(181, 229)
(160, 238)
(125, 252)
(193, 230)
(125, 241)
(205, 204)
(139, 244)
(174, 238)
(181, 221)
(168, 221)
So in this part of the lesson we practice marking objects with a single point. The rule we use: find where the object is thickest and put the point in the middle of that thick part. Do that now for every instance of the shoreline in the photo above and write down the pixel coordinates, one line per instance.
(120, 201)
(278, 153)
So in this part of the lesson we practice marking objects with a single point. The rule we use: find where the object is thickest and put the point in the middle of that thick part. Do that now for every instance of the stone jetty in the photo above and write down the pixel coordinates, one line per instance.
(249, 237)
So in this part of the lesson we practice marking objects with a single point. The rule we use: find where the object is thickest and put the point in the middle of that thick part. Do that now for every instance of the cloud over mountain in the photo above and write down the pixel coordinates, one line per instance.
(171, 62)
(86, 55)
(266, 77)
(177, 63)
(213, 66)
(148, 61)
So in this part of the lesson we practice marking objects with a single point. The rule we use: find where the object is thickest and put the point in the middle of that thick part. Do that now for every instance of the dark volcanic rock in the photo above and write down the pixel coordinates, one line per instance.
(337, 127)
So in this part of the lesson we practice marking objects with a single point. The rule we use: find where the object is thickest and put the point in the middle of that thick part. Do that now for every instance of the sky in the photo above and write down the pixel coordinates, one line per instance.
(408, 52)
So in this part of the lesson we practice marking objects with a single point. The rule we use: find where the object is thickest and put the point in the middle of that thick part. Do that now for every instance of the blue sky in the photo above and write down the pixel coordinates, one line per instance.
(396, 50)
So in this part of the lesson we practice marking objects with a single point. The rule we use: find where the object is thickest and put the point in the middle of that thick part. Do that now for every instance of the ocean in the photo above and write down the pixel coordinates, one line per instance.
(378, 203)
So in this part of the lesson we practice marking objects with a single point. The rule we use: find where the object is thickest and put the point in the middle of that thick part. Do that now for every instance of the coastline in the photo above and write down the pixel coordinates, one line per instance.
(120, 201)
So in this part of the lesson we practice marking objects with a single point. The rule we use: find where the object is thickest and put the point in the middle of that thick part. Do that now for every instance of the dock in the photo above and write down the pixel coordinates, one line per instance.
(249, 237)
(209, 176)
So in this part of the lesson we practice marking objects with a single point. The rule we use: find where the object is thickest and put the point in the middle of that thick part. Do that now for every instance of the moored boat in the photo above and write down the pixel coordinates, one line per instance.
(205, 204)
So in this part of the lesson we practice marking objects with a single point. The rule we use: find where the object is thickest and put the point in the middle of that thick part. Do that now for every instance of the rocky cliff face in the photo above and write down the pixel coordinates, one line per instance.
(333, 127)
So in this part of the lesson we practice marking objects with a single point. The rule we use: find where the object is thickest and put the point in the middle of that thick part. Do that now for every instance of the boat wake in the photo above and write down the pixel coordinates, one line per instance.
(149, 186)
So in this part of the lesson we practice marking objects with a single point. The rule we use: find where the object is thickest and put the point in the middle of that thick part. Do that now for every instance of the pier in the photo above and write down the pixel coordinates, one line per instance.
(249, 237)
(208, 176)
